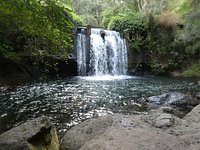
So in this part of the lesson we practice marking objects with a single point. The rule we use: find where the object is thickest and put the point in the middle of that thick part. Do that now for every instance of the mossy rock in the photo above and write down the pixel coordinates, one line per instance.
(37, 134)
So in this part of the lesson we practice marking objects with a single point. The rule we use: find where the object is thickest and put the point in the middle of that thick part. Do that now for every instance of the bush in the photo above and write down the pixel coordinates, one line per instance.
(193, 71)
(129, 22)
(168, 20)
(35, 28)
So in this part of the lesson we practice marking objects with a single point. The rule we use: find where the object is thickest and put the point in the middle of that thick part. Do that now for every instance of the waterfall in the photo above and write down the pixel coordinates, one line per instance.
(81, 53)
(107, 54)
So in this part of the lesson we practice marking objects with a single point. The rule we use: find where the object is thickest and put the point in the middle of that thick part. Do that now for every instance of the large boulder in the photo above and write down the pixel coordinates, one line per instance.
(135, 139)
(193, 117)
(157, 130)
(37, 134)
(84, 132)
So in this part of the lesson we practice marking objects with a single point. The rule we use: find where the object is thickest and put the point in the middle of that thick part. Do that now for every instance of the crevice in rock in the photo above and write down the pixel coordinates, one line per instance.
(42, 138)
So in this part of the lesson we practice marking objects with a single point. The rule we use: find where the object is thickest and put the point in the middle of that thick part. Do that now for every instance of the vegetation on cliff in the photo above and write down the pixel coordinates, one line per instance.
(33, 30)
(166, 31)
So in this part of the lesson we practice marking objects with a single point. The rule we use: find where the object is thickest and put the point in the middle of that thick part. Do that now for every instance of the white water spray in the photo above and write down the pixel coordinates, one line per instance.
(107, 54)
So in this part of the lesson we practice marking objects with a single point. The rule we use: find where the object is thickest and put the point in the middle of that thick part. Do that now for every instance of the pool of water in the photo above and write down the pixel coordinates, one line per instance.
(72, 100)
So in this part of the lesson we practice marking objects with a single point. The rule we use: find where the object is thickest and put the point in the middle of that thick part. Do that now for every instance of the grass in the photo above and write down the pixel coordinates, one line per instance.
(169, 20)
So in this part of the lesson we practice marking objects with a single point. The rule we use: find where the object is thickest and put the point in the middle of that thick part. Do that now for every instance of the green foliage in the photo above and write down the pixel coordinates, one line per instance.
(78, 20)
(157, 67)
(90, 11)
(129, 22)
(189, 38)
(138, 42)
(193, 49)
(6, 50)
(35, 28)
(108, 14)
(40, 28)
(161, 45)
(100, 12)
(193, 71)
(183, 7)
(168, 31)
(133, 26)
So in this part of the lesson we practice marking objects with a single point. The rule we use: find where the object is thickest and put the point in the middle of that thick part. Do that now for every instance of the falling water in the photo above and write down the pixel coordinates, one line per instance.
(81, 52)
(107, 54)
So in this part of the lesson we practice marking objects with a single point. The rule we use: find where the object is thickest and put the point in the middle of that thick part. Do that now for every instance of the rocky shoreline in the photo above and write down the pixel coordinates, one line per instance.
(156, 131)
(164, 128)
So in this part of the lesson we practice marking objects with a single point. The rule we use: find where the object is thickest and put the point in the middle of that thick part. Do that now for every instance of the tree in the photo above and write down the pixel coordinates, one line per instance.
(35, 27)
(95, 13)
(36, 31)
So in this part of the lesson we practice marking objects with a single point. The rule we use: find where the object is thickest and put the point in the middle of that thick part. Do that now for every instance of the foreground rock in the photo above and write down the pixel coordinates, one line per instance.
(38, 134)
(155, 131)
(85, 132)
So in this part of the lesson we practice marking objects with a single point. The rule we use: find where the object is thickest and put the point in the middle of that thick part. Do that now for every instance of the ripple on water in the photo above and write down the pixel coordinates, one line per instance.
(70, 101)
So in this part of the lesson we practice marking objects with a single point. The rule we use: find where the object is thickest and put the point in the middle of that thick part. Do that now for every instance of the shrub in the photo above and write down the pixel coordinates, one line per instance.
(168, 20)
(35, 28)
(193, 71)
(129, 22)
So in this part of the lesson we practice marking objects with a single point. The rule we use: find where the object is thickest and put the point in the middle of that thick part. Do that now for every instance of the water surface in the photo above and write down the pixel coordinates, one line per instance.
(72, 100)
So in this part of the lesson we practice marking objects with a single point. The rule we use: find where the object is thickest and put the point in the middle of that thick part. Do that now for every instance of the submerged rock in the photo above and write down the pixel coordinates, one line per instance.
(38, 134)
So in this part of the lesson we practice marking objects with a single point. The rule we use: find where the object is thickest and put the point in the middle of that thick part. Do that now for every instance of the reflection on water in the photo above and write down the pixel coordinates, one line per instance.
(69, 101)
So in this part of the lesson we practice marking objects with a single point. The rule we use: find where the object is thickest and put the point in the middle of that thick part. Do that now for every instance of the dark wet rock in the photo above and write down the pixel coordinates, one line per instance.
(178, 98)
(103, 34)
(179, 103)
(167, 109)
(198, 95)
(86, 131)
(158, 99)
(174, 98)
(179, 111)
(38, 134)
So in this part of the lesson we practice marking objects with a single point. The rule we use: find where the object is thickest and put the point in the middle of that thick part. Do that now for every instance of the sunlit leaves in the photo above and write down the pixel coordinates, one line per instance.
(129, 22)
(36, 27)
(193, 71)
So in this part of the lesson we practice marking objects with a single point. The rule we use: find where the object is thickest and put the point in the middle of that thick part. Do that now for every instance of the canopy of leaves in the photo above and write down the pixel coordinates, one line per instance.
(98, 12)
(129, 22)
(35, 28)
